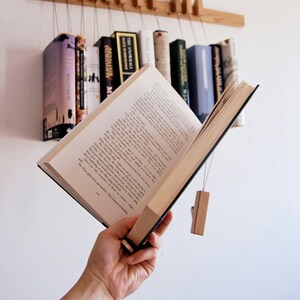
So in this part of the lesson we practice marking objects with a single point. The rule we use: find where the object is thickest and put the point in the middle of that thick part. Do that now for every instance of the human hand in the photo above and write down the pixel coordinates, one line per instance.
(113, 273)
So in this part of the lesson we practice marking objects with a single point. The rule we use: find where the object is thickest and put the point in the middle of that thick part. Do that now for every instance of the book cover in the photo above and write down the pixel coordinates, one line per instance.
(107, 84)
(200, 74)
(59, 109)
(179, 73)
(81, 77)
(217, 67)
(126, 55)
(146, 47)
(231, 70)
(162, 53)
(93, 78)
(122, 160)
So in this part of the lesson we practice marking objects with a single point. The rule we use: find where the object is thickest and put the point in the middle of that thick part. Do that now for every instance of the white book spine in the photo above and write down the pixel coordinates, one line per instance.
(93, 78)
(146, 47)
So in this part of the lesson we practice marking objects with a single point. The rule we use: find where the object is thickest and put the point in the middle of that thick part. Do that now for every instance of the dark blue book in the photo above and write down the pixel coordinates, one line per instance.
(200, 76)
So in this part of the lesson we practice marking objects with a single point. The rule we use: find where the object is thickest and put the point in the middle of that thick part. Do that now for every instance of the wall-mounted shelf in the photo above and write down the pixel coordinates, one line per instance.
(175, 8)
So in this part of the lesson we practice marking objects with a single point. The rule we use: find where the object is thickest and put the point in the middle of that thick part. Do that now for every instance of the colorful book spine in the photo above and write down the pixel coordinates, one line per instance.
(126, 54)
(107, 85)
(146, 47)
(59, 109)
(93, 78)
(217, 67)
(81, 78)
(231, 70)
(162, 53)
(179, 75)
(200, 80)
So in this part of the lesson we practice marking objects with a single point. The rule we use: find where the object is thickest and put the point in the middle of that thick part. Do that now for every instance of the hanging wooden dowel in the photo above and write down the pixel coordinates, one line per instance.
(197, 7)
(176, 6)
(187, 7)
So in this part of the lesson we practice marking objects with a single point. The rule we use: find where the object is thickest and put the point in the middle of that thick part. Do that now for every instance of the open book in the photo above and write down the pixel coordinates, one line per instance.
(138, 150)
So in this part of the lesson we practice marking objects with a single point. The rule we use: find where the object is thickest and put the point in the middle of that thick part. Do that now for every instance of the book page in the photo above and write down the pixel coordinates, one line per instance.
(121, 157)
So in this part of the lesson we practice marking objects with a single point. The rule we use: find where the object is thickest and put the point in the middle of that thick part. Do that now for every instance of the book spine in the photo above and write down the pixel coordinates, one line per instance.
(81, 78)
(162, 53)
(201, 80)
(218, 78)
(107, 85)
(146, 47)
(231, 70)
(93, 78)
(179, 76)
(126, 53)
(59, 87)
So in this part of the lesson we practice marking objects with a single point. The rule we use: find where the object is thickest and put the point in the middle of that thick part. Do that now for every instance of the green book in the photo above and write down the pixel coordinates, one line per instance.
(179, 75)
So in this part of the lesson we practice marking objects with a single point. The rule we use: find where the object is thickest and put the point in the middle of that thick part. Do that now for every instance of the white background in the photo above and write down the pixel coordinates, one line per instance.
(251, 245)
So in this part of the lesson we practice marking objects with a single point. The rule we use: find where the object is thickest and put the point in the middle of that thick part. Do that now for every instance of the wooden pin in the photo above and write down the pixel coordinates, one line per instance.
(199, 212)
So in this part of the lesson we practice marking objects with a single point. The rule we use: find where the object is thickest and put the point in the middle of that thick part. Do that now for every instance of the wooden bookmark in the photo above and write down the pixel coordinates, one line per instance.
(199, 212)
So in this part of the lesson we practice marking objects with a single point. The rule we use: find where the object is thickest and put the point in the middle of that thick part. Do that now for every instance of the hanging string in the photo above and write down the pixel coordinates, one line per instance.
(55, 21)
(203, 30)
(82, 22)
(96, 23)
(142, 18)
(193, 30)
(69, 18)
(125, 17)
(206, 172)
(110, 20)
(180, 26)
(157, 22)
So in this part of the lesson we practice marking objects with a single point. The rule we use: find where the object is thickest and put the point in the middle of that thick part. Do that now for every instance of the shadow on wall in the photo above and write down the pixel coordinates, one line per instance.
(21, 106)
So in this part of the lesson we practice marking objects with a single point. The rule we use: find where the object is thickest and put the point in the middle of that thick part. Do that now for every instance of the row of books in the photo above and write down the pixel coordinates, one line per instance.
(78, 77)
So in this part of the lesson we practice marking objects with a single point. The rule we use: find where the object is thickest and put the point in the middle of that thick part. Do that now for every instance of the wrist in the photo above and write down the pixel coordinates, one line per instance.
(89, 287)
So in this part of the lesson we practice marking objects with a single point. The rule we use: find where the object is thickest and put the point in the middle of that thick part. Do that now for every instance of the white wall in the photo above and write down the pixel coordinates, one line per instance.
(252, 241)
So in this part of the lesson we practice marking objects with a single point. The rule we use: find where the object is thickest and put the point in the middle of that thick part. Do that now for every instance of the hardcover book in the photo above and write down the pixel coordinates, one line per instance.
(59, 109)
(179, 72)
(162, 53)
(126, 55)
(93, 78)
(137, 157)
(107, 85)
(146, 47)
(81, 77)
(201, 86)
(217, 67)
(231, 70)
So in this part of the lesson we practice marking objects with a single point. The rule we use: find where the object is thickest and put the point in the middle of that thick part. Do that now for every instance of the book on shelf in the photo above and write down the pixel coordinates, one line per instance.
(162, 53)
(126, 55)
(137, 158)
(107, 85)
(93, 78)
(231, 70)
(59, 110)
(179, 72)
(146, 47)
(217, 70)
(81, 77)
(201, 84)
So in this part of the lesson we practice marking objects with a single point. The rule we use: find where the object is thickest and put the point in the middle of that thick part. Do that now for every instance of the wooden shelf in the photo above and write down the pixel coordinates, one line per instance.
(183, 9)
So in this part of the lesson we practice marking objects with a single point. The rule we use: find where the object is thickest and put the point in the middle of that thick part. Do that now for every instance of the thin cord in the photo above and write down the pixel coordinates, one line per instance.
(110, 22)
(69, 17)
(82, 23)
(157, 22)
(55, 21)
(125, 17)
(96, 23)
(193, 30)
(142, 19)
(206, 173)
(203, 30)
(180, 26)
